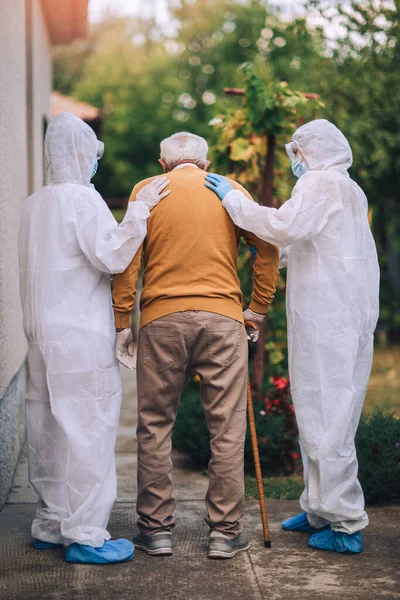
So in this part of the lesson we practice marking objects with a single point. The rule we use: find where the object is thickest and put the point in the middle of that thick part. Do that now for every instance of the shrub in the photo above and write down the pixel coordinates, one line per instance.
(276, 430)
(378, 450)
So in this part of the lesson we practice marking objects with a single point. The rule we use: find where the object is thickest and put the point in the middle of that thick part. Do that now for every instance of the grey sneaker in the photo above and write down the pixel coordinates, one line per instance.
(158, 544)
(221, 546)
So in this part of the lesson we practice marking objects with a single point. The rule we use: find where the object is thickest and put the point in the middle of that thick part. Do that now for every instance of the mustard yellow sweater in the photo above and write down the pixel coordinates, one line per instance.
(190, 257)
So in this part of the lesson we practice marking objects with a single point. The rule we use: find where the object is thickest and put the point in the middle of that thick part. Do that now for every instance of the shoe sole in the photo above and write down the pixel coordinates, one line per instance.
(156, 552)
(220, 554)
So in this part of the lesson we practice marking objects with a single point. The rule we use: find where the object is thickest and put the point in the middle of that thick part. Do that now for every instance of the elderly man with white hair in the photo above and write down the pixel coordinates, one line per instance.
(191, 320)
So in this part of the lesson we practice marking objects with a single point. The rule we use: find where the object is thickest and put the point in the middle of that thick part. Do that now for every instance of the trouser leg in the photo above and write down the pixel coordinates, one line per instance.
(46, 454)
(328, 384)
(85, 398)
(162, 371)
(333, 492)
(220, 359)
(314, 520)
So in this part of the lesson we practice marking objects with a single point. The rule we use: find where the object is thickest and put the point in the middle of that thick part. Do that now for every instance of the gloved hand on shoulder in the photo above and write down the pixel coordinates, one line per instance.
(218, 184)
(152, 193)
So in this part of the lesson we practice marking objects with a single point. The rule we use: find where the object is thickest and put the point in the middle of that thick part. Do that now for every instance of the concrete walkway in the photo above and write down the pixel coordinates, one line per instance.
(289, 571)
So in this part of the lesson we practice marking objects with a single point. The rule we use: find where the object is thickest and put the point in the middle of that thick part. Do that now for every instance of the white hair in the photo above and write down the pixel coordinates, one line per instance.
(184, 146)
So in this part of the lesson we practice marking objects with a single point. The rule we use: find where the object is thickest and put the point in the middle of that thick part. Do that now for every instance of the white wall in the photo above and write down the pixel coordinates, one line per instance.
(25, 77)
(25, 84)
(13, 182)
(41, 90)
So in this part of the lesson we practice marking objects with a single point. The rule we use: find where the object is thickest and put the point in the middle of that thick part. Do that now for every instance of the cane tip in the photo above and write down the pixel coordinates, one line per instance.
(267, 544)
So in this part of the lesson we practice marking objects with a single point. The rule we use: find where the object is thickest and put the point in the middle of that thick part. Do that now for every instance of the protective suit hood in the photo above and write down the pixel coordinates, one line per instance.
(323, 146)
(71, 149)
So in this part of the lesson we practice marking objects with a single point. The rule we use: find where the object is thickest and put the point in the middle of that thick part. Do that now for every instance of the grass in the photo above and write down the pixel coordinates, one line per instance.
(384, 385)
(276, 488)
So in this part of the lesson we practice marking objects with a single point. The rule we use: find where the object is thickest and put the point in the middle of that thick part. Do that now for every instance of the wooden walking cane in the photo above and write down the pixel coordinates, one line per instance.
(256, 455)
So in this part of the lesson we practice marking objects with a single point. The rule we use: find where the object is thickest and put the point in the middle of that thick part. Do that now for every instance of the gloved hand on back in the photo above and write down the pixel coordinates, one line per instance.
(257, 319)
(152, 193)
(218, 184)
(124, 349)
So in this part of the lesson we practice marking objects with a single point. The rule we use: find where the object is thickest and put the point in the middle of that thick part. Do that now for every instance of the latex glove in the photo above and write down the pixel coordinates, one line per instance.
(152, 193)
(124, 349)
(218, 184)
(249, 315)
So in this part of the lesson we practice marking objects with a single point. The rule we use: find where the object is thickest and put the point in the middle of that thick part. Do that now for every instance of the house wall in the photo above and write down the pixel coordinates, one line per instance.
(38, 97)
(25, 82)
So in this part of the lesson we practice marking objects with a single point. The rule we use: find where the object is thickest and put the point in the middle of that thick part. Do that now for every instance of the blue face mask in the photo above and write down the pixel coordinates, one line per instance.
(96, 166)
(299, 167)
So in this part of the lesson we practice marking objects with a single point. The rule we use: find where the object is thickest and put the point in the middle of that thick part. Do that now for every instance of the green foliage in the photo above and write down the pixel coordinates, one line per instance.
(152, 85)
(271, 105)
(378, 450)
(276, 488)
(190, 433)
(240, 139)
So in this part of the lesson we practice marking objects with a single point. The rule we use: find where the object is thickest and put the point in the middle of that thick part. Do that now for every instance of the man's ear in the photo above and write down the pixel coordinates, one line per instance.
(163, 164)
(207, 165)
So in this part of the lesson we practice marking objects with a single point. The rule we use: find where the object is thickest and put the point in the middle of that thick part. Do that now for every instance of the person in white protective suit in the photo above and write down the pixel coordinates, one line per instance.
(69, 244)
(332, 311)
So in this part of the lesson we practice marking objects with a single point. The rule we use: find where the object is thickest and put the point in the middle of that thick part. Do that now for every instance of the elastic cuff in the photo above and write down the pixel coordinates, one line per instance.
(122, 320)
(259, 308)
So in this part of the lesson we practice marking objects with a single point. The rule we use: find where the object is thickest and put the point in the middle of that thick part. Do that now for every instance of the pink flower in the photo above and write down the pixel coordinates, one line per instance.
(262, 413)
(276, 402)
(280, 383)
(291, 408)
(295, 456)
(268, 404)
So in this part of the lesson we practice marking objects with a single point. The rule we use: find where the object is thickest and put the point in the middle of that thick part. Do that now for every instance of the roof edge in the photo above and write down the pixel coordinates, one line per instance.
(66, 20)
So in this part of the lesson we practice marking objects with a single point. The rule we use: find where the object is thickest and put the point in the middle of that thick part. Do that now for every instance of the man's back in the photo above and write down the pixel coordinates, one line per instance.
(190, 256)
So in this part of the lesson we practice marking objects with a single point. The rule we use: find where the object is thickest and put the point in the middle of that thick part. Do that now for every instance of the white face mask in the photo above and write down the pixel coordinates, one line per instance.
(96, 166)
(299, 167)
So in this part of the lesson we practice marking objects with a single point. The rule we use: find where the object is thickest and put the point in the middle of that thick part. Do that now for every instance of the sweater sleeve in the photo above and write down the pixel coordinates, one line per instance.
(124, 288)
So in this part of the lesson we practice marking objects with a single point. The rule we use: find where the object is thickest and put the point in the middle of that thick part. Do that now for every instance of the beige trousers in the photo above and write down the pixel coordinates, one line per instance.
(169, 349)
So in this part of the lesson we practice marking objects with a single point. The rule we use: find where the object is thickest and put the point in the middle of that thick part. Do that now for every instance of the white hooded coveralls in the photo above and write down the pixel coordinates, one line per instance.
(69, 245)
(332, 310)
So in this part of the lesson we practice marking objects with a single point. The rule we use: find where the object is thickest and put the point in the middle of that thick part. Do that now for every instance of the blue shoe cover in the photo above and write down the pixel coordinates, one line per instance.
(300, 523)
(336, 541)
(39, 545)
(110, 552)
